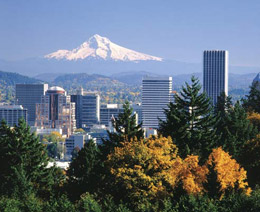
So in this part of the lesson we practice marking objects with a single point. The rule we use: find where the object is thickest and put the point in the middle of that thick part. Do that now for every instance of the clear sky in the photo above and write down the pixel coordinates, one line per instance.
(172, 29)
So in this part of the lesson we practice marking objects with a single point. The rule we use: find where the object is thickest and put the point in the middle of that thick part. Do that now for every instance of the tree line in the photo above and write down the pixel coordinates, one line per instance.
(205, 158)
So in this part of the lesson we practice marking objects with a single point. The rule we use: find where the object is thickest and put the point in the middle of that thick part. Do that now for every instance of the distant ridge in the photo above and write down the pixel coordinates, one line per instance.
(10, 79)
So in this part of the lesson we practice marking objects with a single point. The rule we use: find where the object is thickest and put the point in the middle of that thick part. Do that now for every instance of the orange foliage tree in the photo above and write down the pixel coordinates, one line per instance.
(192, 175)
(254, 118)
(152, 169)
(224, 174)
(140, 168)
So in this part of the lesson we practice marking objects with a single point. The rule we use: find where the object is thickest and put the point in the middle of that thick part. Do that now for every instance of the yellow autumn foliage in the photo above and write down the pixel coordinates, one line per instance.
(193, 175)
(230, 175)
(254, 118)
(142, 167)
(151, 168)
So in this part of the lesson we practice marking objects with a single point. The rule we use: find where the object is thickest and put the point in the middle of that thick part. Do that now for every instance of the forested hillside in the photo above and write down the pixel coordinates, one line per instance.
(7, 84)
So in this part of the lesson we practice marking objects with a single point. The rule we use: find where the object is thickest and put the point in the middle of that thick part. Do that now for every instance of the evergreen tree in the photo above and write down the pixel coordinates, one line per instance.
(126, 127)
(234, 127)
(252, 101)
(235, 130)
(84, 171)
(222, 110)
(23, 162)
(224, 104)
(190, 121)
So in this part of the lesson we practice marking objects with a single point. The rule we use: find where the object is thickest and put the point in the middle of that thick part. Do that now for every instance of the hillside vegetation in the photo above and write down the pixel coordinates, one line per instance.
(7, 84)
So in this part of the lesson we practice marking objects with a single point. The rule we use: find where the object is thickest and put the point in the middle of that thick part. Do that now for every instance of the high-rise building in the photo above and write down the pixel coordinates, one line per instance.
(28, 95)
(215, 73)
(156, 95)
(12, 113)
(109, 111)
(56, 111)
(87, 108)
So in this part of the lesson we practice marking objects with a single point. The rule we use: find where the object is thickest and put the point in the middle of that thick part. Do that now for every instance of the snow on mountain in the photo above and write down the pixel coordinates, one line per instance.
(101, 48)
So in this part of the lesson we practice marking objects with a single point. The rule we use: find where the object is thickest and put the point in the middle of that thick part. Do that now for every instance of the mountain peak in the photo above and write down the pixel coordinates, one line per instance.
(99, 47)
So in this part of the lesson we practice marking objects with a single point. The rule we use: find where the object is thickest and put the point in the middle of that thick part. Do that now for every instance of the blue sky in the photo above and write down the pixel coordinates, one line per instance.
(172, 29)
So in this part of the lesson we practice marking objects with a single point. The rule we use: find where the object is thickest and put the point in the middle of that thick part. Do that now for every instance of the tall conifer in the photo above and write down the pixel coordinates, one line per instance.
(24, 157)
(252, 101)
(235, 130)
(190, 121)
(126, 127)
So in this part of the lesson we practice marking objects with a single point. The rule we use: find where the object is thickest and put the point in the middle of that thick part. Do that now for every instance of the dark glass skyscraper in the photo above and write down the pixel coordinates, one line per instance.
(215, 73)
(28, 95)
(87, 108)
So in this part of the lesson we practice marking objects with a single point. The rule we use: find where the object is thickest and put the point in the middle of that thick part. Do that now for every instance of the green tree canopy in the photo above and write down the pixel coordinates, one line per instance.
(190, 121)
(252, 101)
(83, 173)
(125, 126)
(23, 162)
(234, 128)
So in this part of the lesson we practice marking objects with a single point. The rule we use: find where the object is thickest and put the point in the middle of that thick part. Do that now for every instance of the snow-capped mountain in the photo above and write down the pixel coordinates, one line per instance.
(101, 48)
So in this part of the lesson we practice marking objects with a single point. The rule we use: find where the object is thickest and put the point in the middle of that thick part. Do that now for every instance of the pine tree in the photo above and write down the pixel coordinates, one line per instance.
(235, 130)
(84, 171)
(252, 101)
(126, 127)
(190, 121)
(24, 157)
(222, 110)
(224, 104)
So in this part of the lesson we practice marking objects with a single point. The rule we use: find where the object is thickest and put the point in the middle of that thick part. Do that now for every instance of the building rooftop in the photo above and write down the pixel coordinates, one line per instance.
(11, 107)
(56, 88)
(156, 78)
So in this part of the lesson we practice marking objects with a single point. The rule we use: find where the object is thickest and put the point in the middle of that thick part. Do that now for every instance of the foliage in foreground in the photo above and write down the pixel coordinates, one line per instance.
(137, 174)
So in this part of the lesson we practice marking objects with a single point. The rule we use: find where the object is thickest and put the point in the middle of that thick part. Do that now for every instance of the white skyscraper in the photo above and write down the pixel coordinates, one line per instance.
(215, 73)
(156, 95)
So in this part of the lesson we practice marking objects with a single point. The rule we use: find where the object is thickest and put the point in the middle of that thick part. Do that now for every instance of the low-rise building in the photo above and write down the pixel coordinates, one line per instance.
(76, 140)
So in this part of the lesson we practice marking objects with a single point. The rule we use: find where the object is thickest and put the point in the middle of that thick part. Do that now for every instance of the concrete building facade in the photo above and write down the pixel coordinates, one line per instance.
(156, 95)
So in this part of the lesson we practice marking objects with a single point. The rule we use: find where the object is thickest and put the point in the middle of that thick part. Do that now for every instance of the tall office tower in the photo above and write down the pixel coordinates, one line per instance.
(215, 73)
(56, 111)
(12, 113)
(108, 111)
(28, 95)
(87, 108)
(156, 95)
